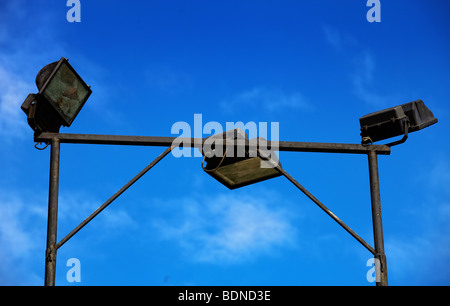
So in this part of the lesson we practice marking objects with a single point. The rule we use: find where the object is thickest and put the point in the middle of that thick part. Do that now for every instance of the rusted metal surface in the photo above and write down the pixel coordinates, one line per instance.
(376, 218)
(52, 221)
(289, 146)
(242, 173)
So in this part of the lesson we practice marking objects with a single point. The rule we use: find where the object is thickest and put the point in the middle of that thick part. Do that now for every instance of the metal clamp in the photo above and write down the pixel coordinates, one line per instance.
(41, 149)
(405, 136)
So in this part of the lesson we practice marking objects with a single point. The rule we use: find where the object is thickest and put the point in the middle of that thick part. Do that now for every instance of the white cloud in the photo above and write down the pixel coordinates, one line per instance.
(439, 177)
(13, 235)
(423, 257)
(267, 100)
(363, 76)
(25, 48)
(17, 61)
(23, 228)
(13, 91)
(167, 79)
(338, 40)
(228, 229)
(19, 239)
(333, 37)
(74, 207)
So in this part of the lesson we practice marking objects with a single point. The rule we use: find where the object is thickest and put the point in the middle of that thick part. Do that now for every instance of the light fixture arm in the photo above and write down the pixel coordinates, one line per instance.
(405, 136)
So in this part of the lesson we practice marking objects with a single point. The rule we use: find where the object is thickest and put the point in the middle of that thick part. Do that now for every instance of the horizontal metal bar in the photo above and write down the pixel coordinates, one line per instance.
(114, 139)
(321, 147)
(291, 146)
(115, 196)
(318, 203)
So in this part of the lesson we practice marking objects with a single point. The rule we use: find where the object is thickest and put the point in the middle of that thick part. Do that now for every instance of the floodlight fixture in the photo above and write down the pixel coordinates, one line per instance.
(233, 159)
(395, 121)
(62, 94)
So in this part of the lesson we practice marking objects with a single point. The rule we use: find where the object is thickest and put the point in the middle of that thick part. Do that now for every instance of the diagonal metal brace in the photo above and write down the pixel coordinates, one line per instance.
(115, 196)
(317, 202)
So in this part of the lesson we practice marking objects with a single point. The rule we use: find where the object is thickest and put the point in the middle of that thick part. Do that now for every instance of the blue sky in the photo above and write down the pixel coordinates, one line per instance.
(314, 67)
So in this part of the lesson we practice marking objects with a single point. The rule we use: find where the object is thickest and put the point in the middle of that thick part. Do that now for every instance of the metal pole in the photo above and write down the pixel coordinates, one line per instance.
(380, 257)
(50, 253)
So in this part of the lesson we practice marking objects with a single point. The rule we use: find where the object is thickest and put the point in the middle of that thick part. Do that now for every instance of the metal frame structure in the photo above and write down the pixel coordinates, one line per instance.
(55, 139)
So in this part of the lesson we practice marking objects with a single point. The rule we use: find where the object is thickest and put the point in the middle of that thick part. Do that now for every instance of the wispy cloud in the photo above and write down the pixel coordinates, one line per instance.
(338, 40)
(13, 91)
(74, 207)
(19, 239)
(18, 59)
(439, 176)
(229, 229)
(363, 76)
(167, 79)
(423, 258)
(269, 100)
(363, 79)
(23, 220)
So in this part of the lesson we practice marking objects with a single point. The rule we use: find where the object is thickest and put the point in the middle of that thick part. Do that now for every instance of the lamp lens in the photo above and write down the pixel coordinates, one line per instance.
(67, 92)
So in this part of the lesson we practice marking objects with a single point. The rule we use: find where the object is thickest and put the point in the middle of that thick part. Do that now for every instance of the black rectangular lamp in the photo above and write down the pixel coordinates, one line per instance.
(396, 121)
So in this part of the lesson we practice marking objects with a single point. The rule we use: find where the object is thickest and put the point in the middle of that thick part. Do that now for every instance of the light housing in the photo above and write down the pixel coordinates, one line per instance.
(62, 94)
(396, 121)
(244, 167)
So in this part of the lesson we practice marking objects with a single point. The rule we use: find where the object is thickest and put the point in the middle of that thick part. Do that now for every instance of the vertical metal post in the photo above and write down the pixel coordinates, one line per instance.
(50, 253)
(380, 257)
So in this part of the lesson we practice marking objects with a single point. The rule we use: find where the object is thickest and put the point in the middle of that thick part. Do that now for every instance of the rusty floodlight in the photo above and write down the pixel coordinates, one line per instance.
(62, 94)
(234, 161)
(396, 121)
